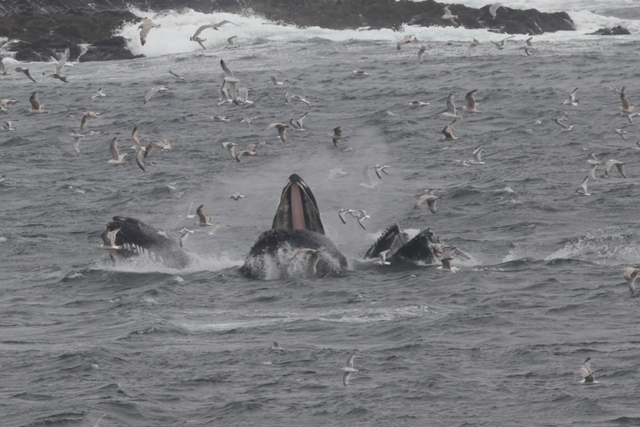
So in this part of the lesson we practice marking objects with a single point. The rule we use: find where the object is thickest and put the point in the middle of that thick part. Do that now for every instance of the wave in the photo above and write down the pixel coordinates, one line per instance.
(172, 37)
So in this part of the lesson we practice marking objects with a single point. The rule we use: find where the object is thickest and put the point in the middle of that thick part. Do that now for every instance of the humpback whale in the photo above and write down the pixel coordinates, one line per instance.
(296, 225)
(401, 249)
(137, 238)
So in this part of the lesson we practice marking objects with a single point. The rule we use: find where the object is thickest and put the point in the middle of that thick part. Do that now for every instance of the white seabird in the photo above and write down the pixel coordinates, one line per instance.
(572, 98)
(359, 73)
(292, 97)
(564, 127)
(368, 182)
(249, 151)
(184, 234)
(99, 93)
(76, 142)
(348, 370)
(163, 143)
(446, 259)
(274, 81)
(276, 347)
(630, 275)
(139, 160)
(472, 105)
(228, 74)
(621, 132)
(613, 162)
(248, 121)
(502, 43)
(62, 60)
(243, 96)
(109, 240)
(415, 103)
(362, 215)
(626, 107)
(594, 162)
(177, 77)
(451, 107)
(342, 212)
(204, 221)
(449, 132)
(339, 172)
(26, 73)
(4, 71)
(7, 126)
(86, 117)
(237, 196)
(116, 157)
(36, 107)
(231, 147)
(587, 373)
(493, 9)
(431, 200)
(477, 156)
(189, 215)
(200, 29)
(474, 43)
(337, 135)
(583, 187)
(282, 130)
(136, 142)
(153, 91)
(405, 40)
(230, 44)
(297, 124)
(447, 15)
(528, 47)
(421, 52)
(144, 28)
(378, 169)
(382, 258)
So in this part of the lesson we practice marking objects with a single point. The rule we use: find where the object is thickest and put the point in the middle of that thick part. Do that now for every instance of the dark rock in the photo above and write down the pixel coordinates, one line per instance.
(29, 55)
(113, 48)
(43, 36)
(615, 31)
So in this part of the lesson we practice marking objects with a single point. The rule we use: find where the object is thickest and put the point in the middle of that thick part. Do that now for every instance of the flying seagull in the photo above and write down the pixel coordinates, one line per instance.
(144, 28)
(348, 370)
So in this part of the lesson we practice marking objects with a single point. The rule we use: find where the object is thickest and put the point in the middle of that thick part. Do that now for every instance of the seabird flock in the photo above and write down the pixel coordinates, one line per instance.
(238, 97)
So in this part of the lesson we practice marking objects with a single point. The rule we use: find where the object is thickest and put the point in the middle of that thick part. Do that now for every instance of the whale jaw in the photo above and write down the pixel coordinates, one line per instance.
(401, 248)
(298, 209)
(137, 239)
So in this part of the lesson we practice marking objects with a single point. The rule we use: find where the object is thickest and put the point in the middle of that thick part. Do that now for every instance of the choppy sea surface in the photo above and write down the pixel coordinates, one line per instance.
(498, 343)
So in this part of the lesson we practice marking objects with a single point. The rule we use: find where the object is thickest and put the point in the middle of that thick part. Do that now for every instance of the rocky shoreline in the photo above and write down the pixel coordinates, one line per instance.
(45, 27)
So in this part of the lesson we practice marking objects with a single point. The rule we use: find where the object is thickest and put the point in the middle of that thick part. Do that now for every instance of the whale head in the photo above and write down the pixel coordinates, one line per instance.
(298, 209)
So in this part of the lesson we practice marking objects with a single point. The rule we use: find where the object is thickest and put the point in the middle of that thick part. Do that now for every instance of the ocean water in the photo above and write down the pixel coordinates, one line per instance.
(499, 343)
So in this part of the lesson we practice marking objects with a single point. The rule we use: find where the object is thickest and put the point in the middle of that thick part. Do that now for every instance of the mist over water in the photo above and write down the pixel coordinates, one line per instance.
(499, 343)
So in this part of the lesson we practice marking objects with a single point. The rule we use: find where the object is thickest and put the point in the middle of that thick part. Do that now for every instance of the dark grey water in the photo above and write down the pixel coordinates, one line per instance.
(499, 343)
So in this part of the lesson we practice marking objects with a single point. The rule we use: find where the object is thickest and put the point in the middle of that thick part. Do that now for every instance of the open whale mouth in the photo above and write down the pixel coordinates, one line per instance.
(137, 239)
(298, 209)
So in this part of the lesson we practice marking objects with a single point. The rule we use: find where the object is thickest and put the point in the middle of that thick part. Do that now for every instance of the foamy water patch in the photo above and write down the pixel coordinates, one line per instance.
(600, 249)
(145, 265)
(176, 28)
(228, 320)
